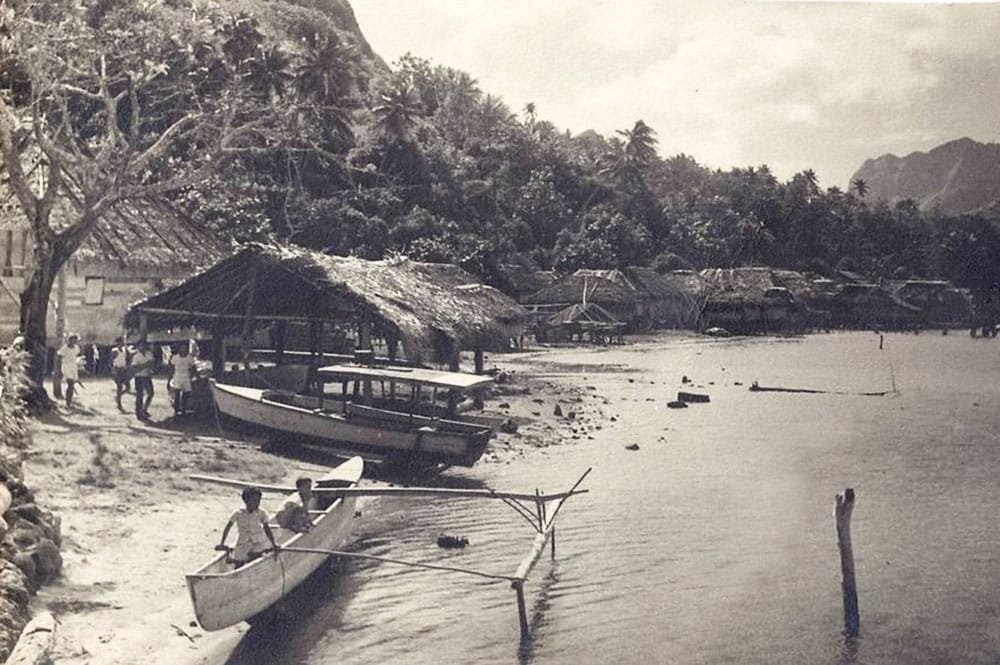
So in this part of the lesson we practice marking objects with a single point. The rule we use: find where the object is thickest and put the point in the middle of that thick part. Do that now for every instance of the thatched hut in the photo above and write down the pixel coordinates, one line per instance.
(608, 288)
(431, 310)
(871, 306)
(941, 303)
(636, 295)
(578, 320)
(668, 302)
(749, 300)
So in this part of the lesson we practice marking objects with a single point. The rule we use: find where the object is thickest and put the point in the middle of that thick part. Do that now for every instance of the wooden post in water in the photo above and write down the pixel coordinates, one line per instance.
(522, 611)
(843, 510)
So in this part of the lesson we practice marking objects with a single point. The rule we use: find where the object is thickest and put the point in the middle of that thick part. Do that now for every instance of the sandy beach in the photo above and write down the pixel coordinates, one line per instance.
(133, 523)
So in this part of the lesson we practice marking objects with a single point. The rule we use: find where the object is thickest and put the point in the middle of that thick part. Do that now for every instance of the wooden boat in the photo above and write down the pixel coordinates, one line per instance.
(398, 429)
(224, 596)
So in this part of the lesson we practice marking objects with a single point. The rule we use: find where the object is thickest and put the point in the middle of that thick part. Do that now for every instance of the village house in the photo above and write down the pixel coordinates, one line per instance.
(941, 303)
(307, 303)
(637, 296)
(93, 289)
(749, 300)
(860, 306)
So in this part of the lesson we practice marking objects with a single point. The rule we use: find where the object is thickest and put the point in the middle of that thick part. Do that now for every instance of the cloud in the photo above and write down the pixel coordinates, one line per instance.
(794, 85)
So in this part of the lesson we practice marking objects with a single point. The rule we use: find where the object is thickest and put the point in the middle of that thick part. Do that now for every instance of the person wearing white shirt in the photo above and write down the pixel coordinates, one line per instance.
(69, 356)
(182, 369)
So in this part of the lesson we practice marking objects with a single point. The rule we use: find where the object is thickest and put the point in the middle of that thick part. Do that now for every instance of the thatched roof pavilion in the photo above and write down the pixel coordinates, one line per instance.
(433, 310)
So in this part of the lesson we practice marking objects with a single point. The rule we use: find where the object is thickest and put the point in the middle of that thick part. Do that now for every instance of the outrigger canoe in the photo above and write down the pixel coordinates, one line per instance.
(223, 595)
(401, 431)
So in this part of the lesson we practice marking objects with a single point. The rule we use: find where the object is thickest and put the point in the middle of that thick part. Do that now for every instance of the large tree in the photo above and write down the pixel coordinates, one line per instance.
(104, 112)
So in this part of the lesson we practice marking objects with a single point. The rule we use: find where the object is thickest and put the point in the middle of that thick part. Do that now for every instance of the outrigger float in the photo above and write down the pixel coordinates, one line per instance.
(223, 595)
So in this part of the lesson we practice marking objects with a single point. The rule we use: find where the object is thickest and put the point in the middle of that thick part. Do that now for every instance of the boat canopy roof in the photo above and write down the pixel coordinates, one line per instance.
(414, 375)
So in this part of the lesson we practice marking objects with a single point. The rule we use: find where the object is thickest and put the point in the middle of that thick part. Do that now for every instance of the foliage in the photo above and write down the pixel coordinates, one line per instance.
(14, 385)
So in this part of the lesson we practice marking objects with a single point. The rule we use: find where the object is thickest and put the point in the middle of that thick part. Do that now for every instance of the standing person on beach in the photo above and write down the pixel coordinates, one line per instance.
(181, 371)
(69, 356)
(252, 529)
(142, 371)
(119, 369)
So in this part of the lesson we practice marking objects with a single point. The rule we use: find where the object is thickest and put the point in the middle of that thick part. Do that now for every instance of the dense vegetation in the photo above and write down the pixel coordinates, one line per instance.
(269, 119)
(417, 159)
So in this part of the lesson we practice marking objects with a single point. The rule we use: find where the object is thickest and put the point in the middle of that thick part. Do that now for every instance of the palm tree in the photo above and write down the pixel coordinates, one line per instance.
(860, 186)
(640, 143)
(268, 72)
(397, 112)
(323, 73)
(629, 156)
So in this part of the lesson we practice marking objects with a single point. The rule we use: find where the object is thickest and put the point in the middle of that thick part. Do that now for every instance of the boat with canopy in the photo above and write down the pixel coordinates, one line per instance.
(403, 422)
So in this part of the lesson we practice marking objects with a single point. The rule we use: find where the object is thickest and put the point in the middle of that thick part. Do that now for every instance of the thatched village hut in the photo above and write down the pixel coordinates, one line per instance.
(941, 303)
(749, 300)
(607, 288)
(428, 311)
(638, 296)
(669, 304)
(860, 305)
(578, 320)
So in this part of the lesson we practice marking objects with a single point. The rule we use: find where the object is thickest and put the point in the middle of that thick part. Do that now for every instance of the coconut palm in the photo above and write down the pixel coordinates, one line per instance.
(397, 112)
(323, 73)
(860, 187)
(269, 72)
(640, 143)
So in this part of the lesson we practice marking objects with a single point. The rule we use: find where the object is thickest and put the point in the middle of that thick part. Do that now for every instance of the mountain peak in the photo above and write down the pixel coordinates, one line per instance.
(958, 176)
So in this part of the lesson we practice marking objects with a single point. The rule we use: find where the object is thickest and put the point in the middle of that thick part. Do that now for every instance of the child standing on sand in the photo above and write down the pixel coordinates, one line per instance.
(251, 525)
(70, 359)
(181, 371)
(119, 369)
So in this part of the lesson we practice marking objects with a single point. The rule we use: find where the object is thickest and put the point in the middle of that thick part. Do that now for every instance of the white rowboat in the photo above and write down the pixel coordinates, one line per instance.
(223, 596)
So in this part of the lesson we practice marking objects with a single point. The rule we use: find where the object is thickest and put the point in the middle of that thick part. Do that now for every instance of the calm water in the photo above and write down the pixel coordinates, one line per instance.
(715, 541)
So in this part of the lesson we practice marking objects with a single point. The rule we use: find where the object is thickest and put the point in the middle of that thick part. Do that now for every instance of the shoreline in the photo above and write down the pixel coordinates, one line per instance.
(133, 524)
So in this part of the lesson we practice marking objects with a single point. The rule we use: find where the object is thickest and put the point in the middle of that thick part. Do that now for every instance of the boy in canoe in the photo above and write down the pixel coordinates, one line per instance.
(254, 534)
(295, 515)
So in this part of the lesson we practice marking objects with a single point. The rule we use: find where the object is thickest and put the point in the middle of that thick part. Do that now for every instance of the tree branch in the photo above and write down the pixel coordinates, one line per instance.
(12, 163)
(161, 144)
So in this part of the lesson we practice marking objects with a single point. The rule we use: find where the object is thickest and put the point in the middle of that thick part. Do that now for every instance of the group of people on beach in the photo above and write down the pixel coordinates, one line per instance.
(132, 366)
(254, 535)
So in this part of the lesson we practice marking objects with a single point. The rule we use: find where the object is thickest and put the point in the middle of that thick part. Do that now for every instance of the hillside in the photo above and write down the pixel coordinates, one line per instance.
(956, 177)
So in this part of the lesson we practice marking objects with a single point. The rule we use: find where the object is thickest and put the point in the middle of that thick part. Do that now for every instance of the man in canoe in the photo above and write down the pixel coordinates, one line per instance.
(254, 534)
(295, 515)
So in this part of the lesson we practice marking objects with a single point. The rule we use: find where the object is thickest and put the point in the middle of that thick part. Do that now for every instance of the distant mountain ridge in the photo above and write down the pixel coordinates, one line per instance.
(955, 177)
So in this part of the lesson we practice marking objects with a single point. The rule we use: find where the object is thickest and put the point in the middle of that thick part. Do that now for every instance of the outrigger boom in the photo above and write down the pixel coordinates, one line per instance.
(392, 491)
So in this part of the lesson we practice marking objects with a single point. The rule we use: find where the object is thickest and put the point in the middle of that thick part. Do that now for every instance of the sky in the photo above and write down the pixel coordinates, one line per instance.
(794, 85)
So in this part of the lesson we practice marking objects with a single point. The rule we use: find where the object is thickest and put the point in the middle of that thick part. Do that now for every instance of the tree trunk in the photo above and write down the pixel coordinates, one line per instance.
(48, 258)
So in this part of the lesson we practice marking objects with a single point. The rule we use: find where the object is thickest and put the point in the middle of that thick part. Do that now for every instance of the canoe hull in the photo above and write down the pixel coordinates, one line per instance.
(362, 433)
(223, 597)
